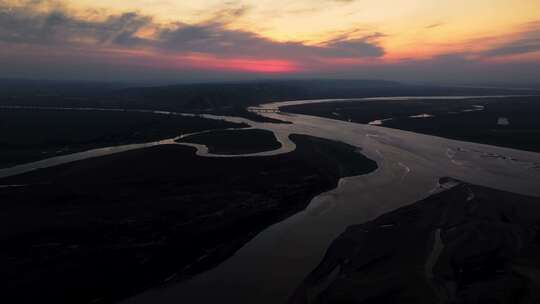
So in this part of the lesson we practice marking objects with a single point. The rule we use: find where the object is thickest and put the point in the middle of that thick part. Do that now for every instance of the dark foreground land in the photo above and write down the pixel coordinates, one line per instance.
(30, 135)
(102, 229)
(469, 244)
(236, 141)
(476, 120)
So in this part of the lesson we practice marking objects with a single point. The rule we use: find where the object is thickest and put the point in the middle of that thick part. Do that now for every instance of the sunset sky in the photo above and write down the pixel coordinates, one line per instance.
(138, 40)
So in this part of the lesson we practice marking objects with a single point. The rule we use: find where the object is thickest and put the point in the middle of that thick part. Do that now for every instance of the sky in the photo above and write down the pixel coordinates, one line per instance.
(449, 41)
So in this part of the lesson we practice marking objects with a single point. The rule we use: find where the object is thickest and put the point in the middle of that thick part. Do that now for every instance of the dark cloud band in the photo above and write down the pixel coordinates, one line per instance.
(22, 25)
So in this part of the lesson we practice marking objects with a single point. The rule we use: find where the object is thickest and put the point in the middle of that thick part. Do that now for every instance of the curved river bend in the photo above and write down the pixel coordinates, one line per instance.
(273, 264)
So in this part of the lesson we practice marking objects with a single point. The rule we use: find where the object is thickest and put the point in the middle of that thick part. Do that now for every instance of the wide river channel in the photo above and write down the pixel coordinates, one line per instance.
(269, 267)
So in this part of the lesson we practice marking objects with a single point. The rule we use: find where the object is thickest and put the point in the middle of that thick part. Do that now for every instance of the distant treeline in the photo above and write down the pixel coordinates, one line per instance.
(219, 98)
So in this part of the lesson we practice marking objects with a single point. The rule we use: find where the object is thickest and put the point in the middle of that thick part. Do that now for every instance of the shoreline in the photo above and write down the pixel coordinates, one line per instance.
(193, 214)
(450, 236)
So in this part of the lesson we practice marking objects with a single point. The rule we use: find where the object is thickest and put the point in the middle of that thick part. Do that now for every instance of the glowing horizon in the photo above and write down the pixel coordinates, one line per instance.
(275, 37)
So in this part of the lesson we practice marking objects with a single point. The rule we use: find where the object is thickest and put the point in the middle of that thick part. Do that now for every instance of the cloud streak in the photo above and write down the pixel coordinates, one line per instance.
(527, 41)
(434, 25)
(47, 33)
(215, 39)
(22, 25)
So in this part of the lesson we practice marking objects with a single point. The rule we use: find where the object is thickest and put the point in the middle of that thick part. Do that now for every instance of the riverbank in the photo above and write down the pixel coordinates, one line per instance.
(465, 244)
(105, 228)
(503, 121)
(32, 134)
(409, 166)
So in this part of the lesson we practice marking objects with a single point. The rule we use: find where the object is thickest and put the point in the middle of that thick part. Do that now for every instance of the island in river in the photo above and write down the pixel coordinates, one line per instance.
(465, 244)
(469, 119)
(34, 133)
(102, 229)
(235, 141)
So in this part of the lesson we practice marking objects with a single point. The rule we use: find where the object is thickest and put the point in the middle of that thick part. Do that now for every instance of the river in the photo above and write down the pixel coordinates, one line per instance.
(269, 267)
